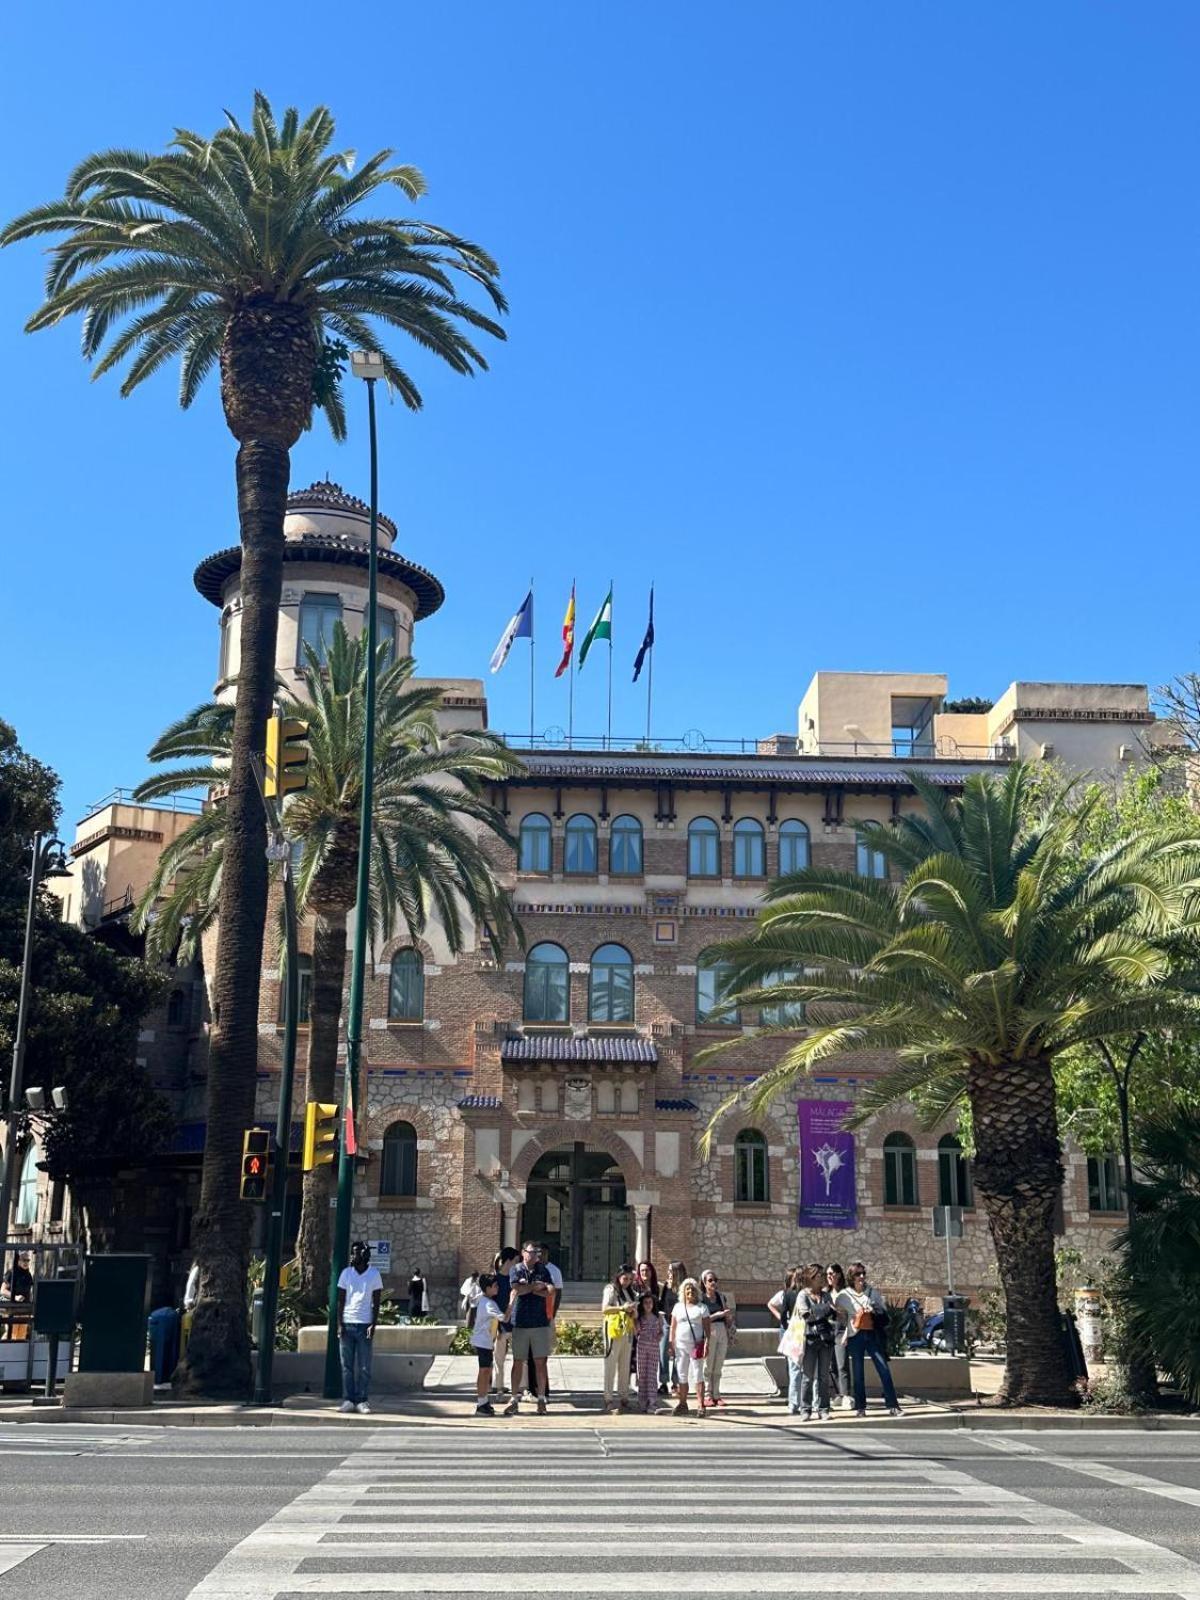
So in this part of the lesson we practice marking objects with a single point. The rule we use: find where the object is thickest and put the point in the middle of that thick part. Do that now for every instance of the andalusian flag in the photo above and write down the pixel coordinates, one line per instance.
(568, 636)
(601, 627)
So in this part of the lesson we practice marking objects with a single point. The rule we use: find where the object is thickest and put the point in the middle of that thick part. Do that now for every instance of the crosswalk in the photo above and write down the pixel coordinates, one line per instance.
(454, 1511)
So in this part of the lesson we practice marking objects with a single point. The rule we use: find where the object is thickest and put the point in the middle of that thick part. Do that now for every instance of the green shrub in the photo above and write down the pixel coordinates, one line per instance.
(573, 1339)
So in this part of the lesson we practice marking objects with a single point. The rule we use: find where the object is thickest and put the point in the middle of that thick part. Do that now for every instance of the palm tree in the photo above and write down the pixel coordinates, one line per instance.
(999, 943)
(245, 252)
(1160, 1276)
(428, 855)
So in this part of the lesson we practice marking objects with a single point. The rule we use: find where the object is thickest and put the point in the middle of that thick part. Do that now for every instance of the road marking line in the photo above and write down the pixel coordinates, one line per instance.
(69, 1538)
(1015, 1447)
(12, 1555)
(1126, 1480)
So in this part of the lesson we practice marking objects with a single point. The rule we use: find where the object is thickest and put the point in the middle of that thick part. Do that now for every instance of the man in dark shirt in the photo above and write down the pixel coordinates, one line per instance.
(530, 1310)
(17, 1286)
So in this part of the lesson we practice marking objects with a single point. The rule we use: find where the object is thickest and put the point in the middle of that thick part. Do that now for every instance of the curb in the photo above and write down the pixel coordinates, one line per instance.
(239, 1416)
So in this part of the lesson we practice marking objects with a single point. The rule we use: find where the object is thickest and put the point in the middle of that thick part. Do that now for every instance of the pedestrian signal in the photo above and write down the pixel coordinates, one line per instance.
(320, 1134)
(286, 767)
(256, 1164)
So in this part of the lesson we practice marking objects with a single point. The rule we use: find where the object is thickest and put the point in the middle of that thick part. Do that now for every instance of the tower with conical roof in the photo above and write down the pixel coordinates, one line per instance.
(324, 580)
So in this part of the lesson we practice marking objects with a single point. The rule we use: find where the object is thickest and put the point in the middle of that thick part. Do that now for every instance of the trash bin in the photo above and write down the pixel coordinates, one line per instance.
(164, 1342)
(955, 1326)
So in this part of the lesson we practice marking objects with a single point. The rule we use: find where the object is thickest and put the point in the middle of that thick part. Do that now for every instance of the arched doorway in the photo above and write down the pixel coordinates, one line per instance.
(575, 1203)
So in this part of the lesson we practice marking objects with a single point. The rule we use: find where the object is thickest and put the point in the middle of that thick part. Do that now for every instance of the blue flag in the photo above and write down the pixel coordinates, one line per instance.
(647, 642)
(521, 627)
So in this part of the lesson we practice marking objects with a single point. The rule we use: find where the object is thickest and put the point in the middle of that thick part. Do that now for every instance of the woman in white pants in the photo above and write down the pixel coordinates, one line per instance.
(687, 1343)
(618, 1305)
(720, 1310)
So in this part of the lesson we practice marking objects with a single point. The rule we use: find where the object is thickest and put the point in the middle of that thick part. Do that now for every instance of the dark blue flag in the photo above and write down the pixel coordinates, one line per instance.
(647, 642)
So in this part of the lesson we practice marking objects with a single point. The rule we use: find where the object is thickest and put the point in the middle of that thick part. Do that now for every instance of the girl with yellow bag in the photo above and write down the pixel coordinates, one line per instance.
(619, 1306)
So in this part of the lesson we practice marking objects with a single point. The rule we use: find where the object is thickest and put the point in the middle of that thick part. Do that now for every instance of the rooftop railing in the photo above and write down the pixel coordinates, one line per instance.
(190, 805)
(696, 743)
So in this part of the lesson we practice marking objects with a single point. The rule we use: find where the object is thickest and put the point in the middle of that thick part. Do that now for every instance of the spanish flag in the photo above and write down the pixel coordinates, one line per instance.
(568, 635)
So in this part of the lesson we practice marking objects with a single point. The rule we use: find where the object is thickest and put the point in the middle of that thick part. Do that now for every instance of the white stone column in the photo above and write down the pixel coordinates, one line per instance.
(641, 1238)
(510, 1227)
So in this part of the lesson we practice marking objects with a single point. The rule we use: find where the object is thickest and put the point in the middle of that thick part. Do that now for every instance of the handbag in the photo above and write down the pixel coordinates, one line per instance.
(699, 1346)
(795, 1335)
(864, 1319)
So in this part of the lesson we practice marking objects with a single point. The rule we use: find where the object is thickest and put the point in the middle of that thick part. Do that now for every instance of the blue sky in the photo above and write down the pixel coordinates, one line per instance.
(868, 332)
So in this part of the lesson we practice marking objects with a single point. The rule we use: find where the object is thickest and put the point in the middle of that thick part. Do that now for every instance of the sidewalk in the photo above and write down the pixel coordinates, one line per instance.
(575, 1402)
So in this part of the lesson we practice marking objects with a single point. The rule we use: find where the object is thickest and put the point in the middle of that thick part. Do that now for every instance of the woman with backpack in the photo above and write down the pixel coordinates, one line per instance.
(814, 1303)
(863, 1310)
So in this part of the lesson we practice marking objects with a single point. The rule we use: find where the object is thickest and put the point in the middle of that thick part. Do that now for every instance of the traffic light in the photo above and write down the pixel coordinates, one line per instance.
(286, 768)
(320, 1134)
(256, 1163)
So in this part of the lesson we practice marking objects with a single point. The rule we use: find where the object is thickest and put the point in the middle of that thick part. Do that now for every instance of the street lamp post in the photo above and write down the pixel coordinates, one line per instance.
(45, 851)
(369, 366)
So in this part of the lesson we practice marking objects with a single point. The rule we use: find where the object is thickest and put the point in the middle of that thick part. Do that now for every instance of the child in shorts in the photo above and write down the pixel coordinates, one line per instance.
(487, 1318)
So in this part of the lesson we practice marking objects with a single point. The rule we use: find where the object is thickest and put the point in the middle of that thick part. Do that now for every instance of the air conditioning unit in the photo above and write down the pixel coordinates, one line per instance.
(1047, 752)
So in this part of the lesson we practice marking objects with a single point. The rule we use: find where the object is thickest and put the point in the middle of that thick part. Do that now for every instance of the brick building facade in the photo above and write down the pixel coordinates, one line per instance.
(562, 1090)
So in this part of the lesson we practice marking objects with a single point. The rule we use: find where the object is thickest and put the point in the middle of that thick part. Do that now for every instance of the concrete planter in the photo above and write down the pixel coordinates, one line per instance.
(947, 1377)
(303, 1371)
(421, 1339)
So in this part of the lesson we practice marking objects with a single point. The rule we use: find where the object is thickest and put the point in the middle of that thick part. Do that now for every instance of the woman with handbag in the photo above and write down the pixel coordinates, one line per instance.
(815, 1305)
(793, 1334)
(690, 1326)
(618, 1306)
(835, 1278)
(720, 1310)
(864, 1310)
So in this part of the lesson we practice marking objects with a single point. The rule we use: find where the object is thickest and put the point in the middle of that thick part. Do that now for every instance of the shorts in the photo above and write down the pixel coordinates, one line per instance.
(537, 1343)
(486, 1357)
(688, 1364)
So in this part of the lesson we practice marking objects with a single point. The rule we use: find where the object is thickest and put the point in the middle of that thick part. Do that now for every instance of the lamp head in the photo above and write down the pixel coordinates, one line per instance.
(366, 364)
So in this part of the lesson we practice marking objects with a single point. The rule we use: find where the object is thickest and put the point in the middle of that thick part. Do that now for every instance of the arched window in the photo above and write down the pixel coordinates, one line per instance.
(714, 979)
(610, 988)
(406, 987)
(398, 1169)
(304, 968)
(749, 849)
(625, 847)
(870, 863)
(788, 1013)
(318, 615)
(176, 1008)
(1106, 1189)
(899, 1171)
(579, 850)
(793, 846)
(386, 632)
(547, 984)
(533, 850)
(226, 635)
(704, 848)
(954, 1173)
(27, 1189)
(751, 1177)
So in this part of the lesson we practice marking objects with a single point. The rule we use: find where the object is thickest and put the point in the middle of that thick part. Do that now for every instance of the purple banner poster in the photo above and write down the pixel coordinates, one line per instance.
(827, 1194)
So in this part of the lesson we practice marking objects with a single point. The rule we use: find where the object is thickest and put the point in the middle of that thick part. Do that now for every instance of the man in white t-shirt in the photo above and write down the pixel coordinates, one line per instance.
(359, 1291)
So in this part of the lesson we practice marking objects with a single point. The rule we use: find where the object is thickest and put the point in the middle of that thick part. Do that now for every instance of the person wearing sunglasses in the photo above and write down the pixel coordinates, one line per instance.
(719, 1308)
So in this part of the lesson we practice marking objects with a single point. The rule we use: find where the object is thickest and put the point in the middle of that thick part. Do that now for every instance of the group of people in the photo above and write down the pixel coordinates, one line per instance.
(832, 1322)
(670, 1340)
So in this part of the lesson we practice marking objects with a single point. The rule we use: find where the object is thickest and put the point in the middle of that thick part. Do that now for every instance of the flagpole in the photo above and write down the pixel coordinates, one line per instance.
(571, 681)
(608, 741)
(531, 716)
(649, 677)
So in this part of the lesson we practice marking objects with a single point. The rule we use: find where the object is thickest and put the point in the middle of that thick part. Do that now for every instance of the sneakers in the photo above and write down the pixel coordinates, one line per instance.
(485, 1410)
(541, 1408)
(346, 1407)
(894, 1411)
(861, 1415)
(662, 1389)
(823, 1416)
(363, 1409)
(512, 1408)
(681, 1409)
(806, 1416)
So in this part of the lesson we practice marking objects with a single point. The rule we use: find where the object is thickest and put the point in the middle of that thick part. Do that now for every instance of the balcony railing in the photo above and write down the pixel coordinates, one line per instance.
(696, 743)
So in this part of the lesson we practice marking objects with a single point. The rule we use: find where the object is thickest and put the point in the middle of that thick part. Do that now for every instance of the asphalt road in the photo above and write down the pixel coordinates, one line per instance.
(227, 1513)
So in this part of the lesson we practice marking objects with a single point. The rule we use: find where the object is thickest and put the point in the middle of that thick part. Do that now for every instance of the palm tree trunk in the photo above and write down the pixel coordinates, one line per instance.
(324, 1025)
(218, 1354)
(1019, 1174)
